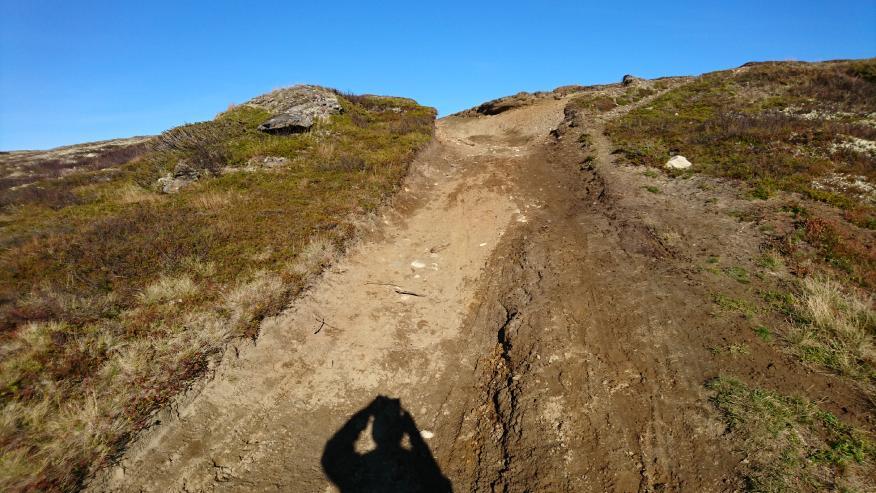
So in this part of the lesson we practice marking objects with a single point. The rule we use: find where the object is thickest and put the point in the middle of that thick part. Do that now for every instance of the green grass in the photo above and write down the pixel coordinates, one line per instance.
(652, 189)
(730, 304)
(114, 296)
(790, 444)
(764, 333)
(739, 274)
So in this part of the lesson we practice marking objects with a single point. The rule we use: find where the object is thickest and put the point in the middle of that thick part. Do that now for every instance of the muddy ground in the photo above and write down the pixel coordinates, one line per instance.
(522, 319)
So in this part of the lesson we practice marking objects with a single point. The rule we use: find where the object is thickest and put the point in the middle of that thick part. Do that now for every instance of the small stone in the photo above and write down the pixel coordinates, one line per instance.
(678, 162)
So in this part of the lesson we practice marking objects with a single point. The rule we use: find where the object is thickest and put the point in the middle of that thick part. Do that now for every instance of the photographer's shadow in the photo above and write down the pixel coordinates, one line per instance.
(395, 464)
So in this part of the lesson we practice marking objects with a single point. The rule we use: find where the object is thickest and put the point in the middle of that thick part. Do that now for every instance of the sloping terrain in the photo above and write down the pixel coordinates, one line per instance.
(546, 306)
(124, 279)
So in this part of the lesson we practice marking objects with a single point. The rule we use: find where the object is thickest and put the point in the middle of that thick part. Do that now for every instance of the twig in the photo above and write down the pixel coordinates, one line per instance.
(398, 289)
(410, 293)
(322, 323)
(382, 284)
(439, 248)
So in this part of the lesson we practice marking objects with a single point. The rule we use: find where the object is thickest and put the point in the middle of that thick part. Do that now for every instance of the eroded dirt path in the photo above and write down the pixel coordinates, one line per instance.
(541, 314)
(386, 320)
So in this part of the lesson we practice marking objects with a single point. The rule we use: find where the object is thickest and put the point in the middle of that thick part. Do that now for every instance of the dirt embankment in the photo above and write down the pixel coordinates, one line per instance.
(541, 317)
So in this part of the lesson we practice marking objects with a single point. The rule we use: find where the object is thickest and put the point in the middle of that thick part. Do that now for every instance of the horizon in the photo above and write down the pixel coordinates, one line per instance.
(98, 71)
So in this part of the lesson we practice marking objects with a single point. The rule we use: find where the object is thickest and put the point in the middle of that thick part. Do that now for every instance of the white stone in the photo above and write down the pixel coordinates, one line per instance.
(678, 162)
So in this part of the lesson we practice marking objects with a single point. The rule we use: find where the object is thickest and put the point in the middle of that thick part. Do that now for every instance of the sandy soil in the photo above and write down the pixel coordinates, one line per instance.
(535, 322)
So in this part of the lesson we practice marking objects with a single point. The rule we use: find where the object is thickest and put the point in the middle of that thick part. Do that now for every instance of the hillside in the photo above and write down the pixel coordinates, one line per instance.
(129, 266)
(654, 285)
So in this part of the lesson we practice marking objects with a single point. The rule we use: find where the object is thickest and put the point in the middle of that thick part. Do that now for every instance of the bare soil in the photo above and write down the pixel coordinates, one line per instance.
(536, 322)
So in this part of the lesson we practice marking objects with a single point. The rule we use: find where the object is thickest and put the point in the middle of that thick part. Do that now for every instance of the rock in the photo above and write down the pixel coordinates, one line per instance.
(296, 108)
(288, 123)
(268, 161)
(632, 80)
(183, 175)
(678, 162)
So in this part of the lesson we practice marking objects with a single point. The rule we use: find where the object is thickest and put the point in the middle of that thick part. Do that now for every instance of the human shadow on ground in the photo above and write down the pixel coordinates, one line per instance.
(395, 464)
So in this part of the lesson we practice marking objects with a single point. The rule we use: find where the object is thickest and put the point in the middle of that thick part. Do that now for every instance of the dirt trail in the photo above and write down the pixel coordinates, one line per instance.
(386, 320)
(541, 316)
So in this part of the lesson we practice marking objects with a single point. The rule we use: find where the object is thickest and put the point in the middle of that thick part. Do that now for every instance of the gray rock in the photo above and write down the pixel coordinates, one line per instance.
(183, 175)
(296, 108)
(630, 80)
(288, 123)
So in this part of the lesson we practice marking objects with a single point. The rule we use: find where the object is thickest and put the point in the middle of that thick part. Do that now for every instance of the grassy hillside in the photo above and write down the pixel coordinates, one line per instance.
(798, 142)
(113, 296)
(807, 129)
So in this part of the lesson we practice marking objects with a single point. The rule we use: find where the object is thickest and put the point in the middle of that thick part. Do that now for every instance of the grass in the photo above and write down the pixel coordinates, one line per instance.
(776, 127)
(764, 333)
(739, 274)
(114, 297)
(730, 304)
(601, 103)
(836, 329)
(790, 444)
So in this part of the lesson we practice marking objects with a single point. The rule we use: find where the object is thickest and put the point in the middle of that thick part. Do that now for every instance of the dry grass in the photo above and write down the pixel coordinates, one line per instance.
(837, 329)
(318, 253)
(168, 289)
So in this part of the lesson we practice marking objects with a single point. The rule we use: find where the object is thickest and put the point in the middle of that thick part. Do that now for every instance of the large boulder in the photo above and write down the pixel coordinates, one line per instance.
(632, 80)
(296, 108)
(288, 123)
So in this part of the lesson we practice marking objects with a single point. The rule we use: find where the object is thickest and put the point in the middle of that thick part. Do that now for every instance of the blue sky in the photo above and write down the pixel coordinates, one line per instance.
(74, 71)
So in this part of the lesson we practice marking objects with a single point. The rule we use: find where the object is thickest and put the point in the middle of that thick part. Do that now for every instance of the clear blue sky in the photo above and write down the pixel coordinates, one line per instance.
(80, 70)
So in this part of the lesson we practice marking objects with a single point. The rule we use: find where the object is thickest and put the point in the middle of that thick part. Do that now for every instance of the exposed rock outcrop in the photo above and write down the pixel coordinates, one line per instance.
(296, 108)
(183, 175)
(632, 80)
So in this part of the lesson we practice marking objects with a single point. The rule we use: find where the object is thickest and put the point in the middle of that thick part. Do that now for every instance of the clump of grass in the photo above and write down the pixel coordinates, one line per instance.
(790, 444)
(652, 189)
(769, 261)
(167, 289)
(764, 333)
(836, 329)
(730, 304)
(318, 253)
(739, 274)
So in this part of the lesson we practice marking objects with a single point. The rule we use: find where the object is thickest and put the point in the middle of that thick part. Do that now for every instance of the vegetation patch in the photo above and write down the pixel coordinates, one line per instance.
(778, 127)
(790, 444)
(114, 296)
(836, 328)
